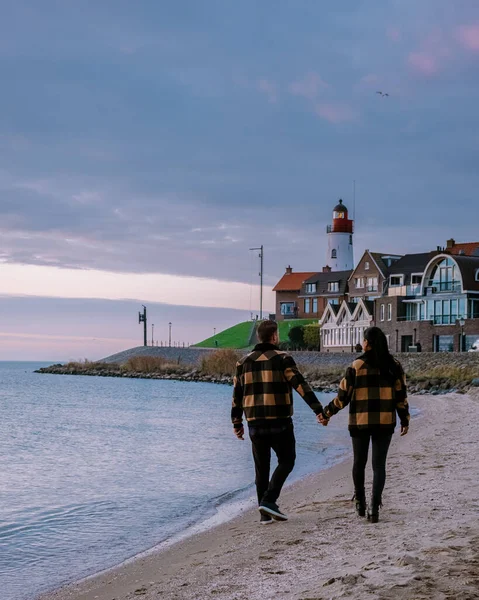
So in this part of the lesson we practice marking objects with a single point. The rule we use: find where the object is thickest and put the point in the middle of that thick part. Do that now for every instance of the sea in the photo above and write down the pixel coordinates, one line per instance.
(94, 470)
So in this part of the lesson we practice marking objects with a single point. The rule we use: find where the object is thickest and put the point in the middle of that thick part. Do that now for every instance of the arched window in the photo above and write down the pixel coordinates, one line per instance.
(334, 254)
(445, 276)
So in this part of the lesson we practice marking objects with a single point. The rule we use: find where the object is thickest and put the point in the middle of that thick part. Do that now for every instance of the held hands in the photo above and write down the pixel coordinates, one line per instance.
(322, 419)
(239, 433)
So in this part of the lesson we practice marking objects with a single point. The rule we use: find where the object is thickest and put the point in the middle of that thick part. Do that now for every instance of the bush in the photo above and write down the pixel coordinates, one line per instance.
(88, 365)
(296, 337)
(145, 364)
(221, 362)
(311, 336)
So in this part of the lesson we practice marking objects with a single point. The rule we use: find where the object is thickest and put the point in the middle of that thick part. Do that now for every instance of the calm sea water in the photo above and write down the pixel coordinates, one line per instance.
(95, 470)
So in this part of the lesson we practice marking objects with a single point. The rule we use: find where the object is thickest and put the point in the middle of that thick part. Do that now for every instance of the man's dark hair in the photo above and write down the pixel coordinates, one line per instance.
(266, 330)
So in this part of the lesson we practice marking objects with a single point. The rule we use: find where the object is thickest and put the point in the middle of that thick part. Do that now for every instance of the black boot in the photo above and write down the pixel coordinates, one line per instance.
(360, 498)
(373, 510)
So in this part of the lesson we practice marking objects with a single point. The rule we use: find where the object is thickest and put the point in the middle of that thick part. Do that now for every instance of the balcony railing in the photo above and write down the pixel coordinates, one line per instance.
(404, 290)
(438, 287)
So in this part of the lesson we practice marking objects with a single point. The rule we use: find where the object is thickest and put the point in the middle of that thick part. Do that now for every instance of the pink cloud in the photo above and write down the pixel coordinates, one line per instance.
(468, 35)
(423, 63)
(308, 87)
(269, 88)
(335, 113)
(370, 79)
(394, 34)
(432, 54)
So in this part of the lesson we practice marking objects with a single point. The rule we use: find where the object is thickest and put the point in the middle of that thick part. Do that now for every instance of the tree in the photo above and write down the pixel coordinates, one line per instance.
(296, 337)
(311, 336)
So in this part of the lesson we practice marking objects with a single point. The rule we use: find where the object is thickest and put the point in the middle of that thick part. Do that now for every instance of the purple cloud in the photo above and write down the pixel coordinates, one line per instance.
(468, 36)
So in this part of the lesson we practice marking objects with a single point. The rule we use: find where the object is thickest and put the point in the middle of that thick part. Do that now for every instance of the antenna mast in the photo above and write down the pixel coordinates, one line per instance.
(142, 319)
(261, 256)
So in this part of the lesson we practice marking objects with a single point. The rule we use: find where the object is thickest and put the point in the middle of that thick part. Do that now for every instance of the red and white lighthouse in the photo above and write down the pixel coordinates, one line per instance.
(340, 240)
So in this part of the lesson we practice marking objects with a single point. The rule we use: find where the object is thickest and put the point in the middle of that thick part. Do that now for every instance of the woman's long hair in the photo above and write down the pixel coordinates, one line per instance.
(379, 356)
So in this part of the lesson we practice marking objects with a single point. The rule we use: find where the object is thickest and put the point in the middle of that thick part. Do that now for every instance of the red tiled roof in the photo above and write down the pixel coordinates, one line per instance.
(291, 282)
(467, 249)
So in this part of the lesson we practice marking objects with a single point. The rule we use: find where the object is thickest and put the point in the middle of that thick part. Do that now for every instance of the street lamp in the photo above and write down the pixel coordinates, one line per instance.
(169, 335)
(461, 322)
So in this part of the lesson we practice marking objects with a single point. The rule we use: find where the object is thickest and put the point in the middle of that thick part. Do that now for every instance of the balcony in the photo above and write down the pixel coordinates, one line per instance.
(441, 287)
(404, 290)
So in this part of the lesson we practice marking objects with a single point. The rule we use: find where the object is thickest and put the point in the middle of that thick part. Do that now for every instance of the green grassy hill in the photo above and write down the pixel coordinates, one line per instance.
(234, 337)
(238, 335)
(285, 326)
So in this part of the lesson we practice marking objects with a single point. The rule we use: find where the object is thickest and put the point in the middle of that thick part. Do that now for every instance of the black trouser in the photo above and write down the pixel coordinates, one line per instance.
(380, 443)
(284, 445)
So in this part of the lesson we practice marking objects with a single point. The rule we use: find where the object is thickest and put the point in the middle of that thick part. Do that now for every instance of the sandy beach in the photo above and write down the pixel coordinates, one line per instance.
(426, 544)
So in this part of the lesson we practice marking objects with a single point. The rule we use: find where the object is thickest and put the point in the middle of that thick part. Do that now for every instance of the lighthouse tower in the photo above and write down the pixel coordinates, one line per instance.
(340, 240)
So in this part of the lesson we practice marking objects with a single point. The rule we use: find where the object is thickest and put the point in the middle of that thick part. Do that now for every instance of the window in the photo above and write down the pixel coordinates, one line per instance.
(390, 312)
(287, 309)
(333, 286)
(334, 301)
(334, 254)
(307, 305)
(310, 288)
(381, 317)
(416, 279)
(359, 282)
(445, 277)
(350, 240)
(372, 284)
(315, 305)
(366, 266)
(477, 274)
(396, 280)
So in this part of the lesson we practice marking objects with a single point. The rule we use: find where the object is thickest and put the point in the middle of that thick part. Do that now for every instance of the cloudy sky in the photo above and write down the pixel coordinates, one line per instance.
(146, 146)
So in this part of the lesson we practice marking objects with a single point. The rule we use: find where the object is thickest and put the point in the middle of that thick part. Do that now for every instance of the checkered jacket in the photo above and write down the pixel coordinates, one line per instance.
(263, 386)
(373, 400)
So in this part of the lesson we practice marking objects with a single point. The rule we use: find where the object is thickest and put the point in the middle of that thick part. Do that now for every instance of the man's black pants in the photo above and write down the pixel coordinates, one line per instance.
(284, 445)
(380, 444)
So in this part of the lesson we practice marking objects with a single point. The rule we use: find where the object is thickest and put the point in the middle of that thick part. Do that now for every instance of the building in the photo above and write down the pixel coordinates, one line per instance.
(433, 300)
(340, 256)
(342, 327)
(288, 289)
(321, 289)
(369, 280)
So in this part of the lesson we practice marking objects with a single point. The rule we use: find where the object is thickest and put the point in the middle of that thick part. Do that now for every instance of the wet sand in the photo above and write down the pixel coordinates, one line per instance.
(426, 544)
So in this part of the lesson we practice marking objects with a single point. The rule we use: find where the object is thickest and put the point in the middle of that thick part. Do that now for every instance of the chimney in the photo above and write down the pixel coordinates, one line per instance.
(289, 270)
(450, 243)
(327, 269)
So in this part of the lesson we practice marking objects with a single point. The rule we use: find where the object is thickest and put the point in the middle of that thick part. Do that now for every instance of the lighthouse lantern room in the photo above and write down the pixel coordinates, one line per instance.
(340, 240)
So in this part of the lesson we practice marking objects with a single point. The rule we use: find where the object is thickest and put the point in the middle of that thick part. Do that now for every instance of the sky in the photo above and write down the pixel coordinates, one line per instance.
(146, 146)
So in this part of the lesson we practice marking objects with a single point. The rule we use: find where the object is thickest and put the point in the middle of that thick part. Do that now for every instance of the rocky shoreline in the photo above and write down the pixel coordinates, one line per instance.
(326, 383)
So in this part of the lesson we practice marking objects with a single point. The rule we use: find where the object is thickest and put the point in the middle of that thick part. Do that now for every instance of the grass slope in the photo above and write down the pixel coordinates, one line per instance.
(285, 326)
(238, 336)
(234, 337)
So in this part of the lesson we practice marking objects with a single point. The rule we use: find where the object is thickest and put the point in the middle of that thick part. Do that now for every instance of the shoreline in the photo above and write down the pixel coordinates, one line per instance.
(326, 383)
(426, 544)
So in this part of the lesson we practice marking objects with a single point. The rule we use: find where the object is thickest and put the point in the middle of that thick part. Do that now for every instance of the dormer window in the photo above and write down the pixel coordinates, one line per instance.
(396, 280)
(310, 288)
(334, 254)
(333, 286)
(366, 266)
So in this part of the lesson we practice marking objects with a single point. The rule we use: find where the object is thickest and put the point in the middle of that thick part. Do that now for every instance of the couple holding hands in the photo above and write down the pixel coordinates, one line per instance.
(374, 387)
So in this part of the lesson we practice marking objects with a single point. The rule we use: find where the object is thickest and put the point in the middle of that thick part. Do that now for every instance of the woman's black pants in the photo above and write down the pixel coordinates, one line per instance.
(380, 444)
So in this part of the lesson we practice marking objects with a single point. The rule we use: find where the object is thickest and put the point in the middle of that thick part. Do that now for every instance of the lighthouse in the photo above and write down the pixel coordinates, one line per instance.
(340, 240)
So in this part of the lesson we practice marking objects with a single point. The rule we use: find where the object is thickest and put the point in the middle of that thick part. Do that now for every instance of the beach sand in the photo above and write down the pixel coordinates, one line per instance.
(426, 544)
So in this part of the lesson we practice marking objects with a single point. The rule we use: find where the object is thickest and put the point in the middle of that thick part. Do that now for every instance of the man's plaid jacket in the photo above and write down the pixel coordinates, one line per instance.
(263, 385)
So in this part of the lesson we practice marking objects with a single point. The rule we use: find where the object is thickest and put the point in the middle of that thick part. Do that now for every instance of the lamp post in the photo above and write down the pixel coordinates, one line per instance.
(461, 322)
(169, 335)
(261, 257)
(152, 334)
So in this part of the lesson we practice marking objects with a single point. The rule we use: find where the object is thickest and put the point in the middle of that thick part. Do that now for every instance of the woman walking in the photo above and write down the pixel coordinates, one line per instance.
(375, 389)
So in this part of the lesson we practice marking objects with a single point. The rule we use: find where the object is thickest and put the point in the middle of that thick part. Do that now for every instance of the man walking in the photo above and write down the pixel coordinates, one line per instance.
(263, 390)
